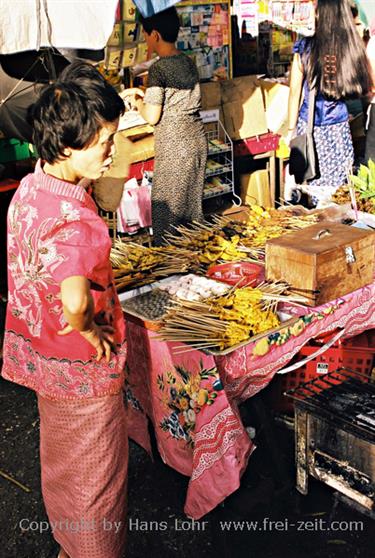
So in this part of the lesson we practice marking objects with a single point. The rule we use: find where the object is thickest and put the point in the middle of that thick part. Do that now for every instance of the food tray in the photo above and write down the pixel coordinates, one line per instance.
(132, 308)
(132, 301)
(128, 307)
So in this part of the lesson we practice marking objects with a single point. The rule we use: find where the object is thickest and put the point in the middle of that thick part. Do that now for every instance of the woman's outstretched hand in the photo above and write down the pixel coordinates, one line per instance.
(99, 336)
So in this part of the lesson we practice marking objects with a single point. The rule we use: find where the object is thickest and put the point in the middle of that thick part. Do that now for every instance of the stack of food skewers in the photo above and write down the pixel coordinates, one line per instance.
(225, 321)
(137, 265)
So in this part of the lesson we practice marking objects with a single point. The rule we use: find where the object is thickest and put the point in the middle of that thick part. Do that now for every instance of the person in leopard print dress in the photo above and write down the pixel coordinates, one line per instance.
(172, 103)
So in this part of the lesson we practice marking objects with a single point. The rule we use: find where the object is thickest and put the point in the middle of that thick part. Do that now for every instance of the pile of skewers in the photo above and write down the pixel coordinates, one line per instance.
(208, 241)
(224, 239)
(134, 264)
(225, 321)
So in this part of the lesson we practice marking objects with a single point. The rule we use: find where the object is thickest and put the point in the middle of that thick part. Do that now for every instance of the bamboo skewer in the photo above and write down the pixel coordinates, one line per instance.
(14, 481)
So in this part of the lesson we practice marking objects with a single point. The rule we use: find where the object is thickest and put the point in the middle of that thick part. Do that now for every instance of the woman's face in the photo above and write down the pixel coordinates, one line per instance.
(95, 159)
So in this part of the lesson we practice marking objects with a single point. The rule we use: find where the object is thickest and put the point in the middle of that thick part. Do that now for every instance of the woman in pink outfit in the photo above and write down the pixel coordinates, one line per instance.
(65, 333)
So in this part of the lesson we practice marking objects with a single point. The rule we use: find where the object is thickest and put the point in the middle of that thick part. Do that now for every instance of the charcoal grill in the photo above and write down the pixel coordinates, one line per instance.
(335, 434)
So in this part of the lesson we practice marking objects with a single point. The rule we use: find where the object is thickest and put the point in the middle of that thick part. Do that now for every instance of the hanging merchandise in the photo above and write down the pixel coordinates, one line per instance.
(126, 45)
(205, 36)
(247, 17)
(135, 208)
(279, 24)
(295, 15)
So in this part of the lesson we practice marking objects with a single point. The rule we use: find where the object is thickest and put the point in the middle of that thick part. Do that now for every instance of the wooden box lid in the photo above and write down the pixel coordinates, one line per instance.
(320, 238)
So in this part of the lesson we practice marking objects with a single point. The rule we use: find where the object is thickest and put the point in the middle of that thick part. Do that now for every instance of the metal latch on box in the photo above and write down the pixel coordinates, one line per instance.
(349, 254)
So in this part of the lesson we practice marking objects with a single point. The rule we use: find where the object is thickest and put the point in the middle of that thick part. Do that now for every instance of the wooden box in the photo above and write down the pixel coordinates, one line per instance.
(322, 262)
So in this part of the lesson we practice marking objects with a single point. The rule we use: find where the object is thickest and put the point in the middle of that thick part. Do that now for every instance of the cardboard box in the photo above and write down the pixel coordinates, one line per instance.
(245, 119)
(238, 89)
(276, 97)
(211, 95)
(138, 132)
(243, 107)
(142, 149)
(107, 190)
(255, 188)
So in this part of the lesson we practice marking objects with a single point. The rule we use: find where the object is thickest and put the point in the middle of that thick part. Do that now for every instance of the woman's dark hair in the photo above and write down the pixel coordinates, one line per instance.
(167, 23)
(337, 62)
(71, 111)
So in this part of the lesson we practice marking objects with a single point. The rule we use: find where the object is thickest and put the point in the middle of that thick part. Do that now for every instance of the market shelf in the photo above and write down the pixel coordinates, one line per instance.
(227, 189)
(218, 151)
(216, 172)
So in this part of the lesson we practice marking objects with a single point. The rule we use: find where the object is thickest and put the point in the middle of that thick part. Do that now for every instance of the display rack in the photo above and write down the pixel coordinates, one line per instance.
(126, 45)
(219, 169)
(205, 35)
(274, 49)
(280, 23)
(294, 15)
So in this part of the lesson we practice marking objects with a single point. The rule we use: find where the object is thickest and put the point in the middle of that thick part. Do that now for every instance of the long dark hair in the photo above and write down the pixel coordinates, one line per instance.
(337, 62)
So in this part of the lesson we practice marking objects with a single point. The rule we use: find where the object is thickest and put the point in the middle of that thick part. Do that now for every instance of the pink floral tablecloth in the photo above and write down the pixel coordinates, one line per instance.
(192, 398)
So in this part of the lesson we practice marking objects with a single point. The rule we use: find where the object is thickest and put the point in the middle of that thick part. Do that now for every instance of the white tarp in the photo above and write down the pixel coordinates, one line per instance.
(76, 24)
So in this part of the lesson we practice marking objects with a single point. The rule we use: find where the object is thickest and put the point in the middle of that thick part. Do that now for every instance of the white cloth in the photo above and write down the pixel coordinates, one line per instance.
(31, 24)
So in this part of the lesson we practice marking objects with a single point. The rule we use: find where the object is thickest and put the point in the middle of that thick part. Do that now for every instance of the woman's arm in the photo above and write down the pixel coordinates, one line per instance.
(78, 305)
(295, 91)
(78, 308)
(151, 113)
(152, 109)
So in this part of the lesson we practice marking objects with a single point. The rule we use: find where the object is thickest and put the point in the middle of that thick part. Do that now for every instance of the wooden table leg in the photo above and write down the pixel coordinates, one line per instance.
(281, 181)
(273, 177)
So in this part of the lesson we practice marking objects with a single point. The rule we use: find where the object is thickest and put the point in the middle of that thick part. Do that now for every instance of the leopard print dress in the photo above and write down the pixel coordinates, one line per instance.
(180, 144)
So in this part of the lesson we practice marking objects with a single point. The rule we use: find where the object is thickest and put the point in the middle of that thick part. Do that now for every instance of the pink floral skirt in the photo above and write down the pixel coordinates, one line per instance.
(84, 462)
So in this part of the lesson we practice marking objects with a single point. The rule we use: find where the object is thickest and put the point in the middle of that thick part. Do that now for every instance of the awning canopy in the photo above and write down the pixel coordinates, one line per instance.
(33, 24)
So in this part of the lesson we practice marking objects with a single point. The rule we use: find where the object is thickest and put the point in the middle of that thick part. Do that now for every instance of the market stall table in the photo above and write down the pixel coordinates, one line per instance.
(192, 398)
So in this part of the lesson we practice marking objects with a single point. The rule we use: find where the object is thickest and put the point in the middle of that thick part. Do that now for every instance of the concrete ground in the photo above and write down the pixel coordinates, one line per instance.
(243, 527)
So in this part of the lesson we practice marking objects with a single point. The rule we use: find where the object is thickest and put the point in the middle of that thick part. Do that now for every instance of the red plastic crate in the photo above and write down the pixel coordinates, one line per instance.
(256, 145)
(344, 354)
(136, 170)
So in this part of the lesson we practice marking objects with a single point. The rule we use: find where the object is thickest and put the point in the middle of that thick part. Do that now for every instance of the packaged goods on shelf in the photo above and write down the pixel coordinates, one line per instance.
(205, 36)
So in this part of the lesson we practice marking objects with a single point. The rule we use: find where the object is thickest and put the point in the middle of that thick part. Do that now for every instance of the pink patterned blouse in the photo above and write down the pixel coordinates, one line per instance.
(54, 232)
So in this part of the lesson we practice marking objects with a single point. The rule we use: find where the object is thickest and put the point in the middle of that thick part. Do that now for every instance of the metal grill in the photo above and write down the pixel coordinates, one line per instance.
(335, 434)
(344, 395)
